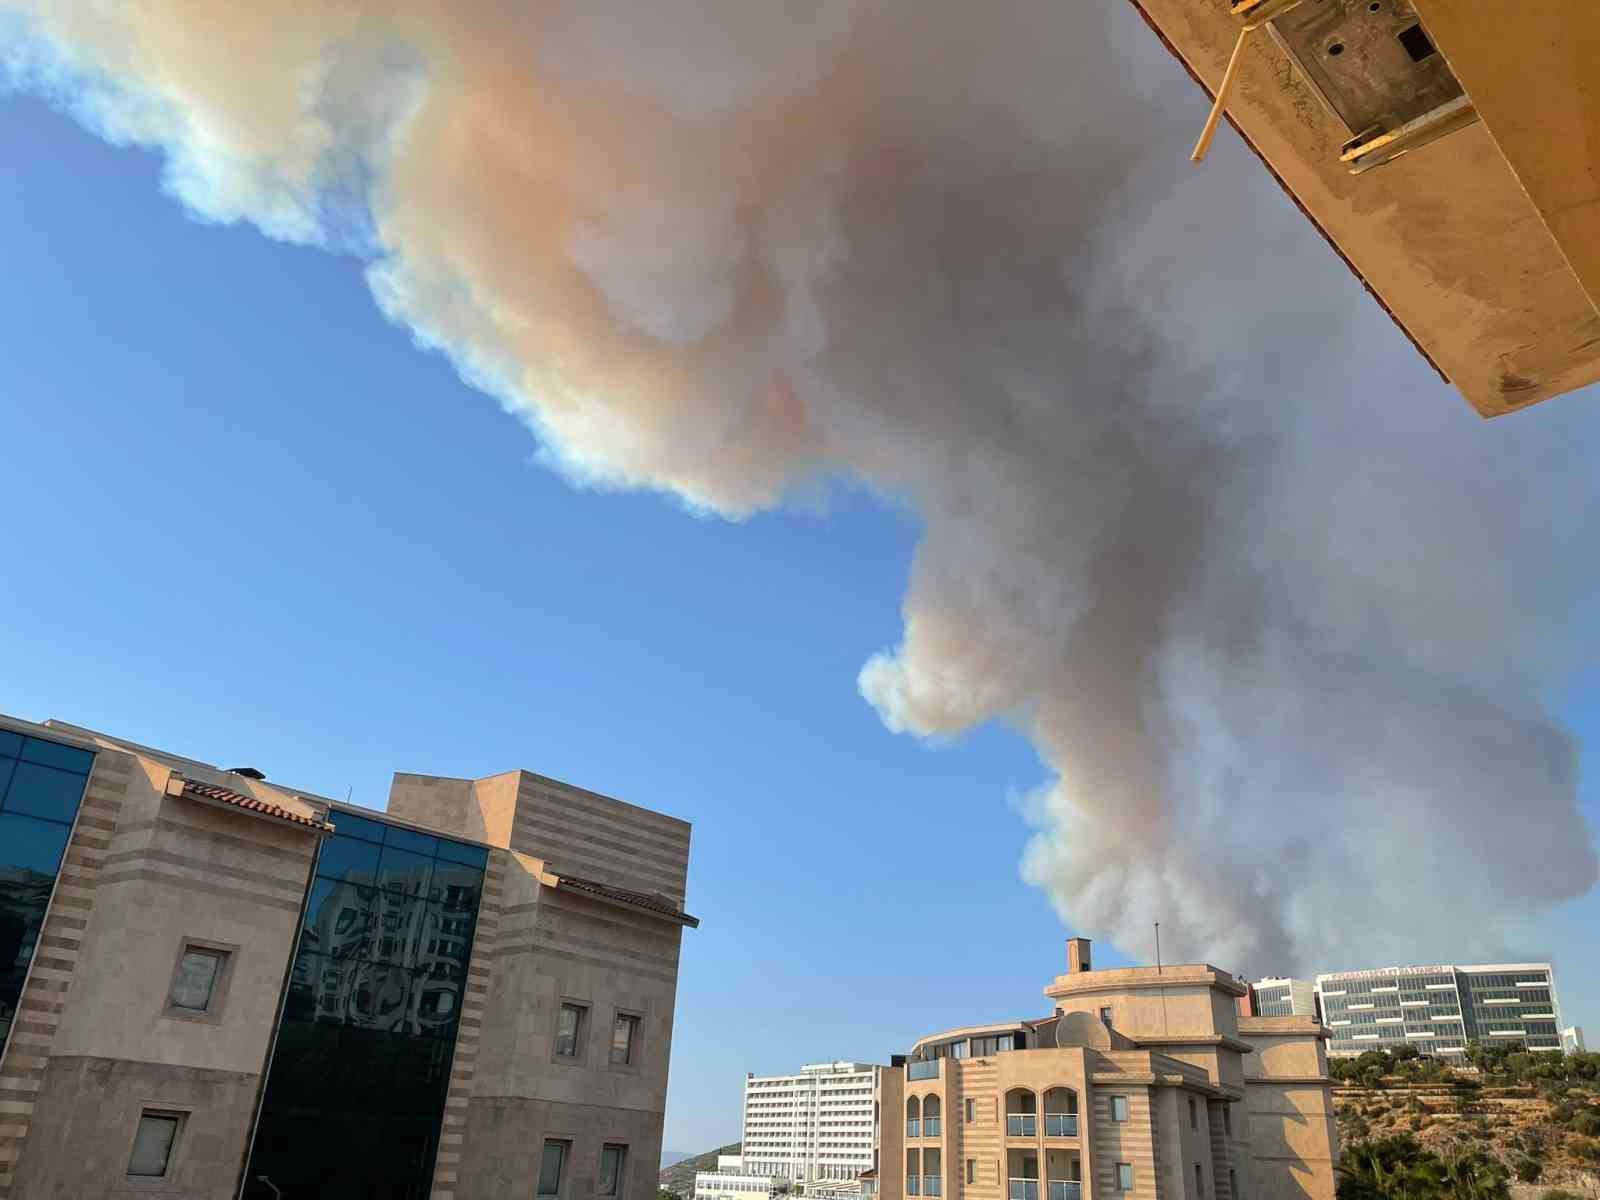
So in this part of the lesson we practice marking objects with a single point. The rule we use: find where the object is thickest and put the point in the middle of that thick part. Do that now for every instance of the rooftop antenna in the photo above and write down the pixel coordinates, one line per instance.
(1158, 972)
(348, 792)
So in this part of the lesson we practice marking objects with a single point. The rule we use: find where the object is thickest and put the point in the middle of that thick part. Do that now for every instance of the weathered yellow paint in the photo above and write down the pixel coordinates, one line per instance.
(1533, 72)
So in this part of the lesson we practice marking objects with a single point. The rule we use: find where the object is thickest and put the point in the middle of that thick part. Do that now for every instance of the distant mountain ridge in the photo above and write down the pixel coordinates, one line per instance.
(668, 1157)
(679, 1176)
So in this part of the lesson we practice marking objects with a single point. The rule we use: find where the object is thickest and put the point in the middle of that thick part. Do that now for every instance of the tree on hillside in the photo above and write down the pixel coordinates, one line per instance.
(1397, 1168)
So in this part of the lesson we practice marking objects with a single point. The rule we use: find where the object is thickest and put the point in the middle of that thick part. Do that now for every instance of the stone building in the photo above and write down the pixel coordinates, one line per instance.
(1143, 1082)
(212, 985)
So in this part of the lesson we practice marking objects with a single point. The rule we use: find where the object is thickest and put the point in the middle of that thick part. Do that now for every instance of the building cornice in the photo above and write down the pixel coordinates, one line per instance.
(1124, 979)
(1197, 1039)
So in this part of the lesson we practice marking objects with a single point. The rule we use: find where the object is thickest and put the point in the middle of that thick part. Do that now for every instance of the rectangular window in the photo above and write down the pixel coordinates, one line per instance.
(151, 1157)
(1227, 1120)
(1119, 1108)
(1124, 1177)
(623, 1034)
(1199, 1181)
(612, 1160)
(968, 1110)
(569, 1031)
(972, 1170)
(1233, 1183)
(1194, 1118)
(552, 1166)
(195, 983)
(1105, 1016)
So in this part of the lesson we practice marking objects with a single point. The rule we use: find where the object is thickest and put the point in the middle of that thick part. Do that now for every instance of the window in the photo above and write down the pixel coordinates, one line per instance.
(1119, 1108)
(151, 1157)
(1124, 1177)
(195, 984)
(972, 1168)
(569, 1032)
(1233, 1183)
(1199, 1181)
(1227, 1120)
(552, 1166)
(969, 1111)
(612, 1159)
(1194, 1119)
(624, 1032)
(40, 783)
(1105, 1016)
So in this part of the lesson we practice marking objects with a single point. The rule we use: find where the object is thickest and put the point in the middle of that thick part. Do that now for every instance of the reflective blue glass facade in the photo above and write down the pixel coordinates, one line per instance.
(355, 1093)
(41, 785)
(1440, 1009)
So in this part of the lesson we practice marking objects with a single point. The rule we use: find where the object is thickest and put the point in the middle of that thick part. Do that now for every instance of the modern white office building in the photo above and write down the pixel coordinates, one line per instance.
(1572, 1039)
(731, 1181)
(1283, 997)
(812, 1126)
(1439, 1009)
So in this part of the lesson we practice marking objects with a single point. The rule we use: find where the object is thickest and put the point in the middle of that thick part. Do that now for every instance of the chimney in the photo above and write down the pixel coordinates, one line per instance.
(1077, 955)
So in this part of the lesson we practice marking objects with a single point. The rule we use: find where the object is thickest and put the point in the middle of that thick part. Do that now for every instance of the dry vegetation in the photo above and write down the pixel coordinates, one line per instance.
(1533, 1118)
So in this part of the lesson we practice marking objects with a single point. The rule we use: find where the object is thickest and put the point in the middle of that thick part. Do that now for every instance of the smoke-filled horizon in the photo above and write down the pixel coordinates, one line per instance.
(1281, 616)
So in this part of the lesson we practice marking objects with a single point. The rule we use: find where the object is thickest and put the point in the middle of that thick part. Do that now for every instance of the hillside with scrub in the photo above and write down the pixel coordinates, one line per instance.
(1504, 1124)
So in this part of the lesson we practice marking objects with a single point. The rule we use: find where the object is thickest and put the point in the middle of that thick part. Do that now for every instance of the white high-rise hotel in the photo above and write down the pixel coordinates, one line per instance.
(814, 1125)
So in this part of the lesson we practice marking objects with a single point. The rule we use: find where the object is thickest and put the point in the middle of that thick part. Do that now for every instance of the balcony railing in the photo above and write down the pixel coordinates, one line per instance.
(923, 1069)
(931, 1185)
(1061, 1124)
(1021, 1125)
(1065, 1189)
(1024, 1189)
(913, 1185)
(913, 1127)
(930, 1126)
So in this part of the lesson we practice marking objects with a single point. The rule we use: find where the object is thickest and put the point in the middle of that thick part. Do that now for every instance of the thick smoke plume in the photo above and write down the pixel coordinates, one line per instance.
(1282, 616)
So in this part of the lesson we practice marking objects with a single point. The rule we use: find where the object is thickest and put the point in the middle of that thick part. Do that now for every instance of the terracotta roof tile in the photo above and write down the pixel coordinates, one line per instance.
(210, 791)
(657, 904)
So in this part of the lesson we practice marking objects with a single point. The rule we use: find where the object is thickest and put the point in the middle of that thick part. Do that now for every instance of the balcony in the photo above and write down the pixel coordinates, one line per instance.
(1021, 1124)
(919, 1069)
(913, 1127)
(1060, 1124)
(1066, 1189)
(913, 1185)
(931, 1185)
(930, 1128)
(1024, 1189)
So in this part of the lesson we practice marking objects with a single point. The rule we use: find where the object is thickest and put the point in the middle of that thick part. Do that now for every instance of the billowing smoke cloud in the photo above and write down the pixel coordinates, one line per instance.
(1284, 618)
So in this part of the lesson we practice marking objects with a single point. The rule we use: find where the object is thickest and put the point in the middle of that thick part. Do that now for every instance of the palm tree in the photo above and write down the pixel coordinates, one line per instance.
(1476, 1176)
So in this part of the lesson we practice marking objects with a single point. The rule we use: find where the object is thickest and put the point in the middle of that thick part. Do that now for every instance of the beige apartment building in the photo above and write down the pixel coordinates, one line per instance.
(1142, 1083)
(213, 985)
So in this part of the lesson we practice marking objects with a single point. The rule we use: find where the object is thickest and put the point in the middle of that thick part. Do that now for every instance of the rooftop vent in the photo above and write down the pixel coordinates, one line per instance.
(247, 772)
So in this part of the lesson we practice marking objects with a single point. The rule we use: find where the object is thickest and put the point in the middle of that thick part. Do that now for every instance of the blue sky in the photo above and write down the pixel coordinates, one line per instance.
(248, 520)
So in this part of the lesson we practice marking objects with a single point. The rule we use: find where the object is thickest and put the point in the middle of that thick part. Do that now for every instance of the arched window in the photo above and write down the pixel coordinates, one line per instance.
(930, 1117)
(1021, 1110)
(1061, 1113)
(913, 1119)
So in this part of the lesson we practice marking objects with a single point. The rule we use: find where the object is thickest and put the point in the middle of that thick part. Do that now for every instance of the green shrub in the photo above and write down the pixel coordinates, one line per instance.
(1586, 1122)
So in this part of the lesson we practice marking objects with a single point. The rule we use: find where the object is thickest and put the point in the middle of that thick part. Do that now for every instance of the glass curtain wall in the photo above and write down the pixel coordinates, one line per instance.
(41, 785)
(355, 1094)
